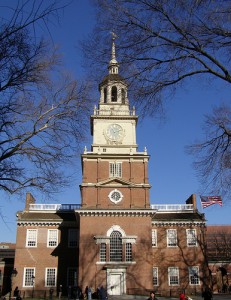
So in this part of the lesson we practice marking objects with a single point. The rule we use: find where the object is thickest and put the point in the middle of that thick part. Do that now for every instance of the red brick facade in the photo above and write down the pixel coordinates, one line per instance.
(115, 238)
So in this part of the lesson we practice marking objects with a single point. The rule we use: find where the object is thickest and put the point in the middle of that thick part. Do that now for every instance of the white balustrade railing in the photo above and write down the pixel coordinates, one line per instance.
(112, 112)
(159, 207)
(54, 207)
(172, 207)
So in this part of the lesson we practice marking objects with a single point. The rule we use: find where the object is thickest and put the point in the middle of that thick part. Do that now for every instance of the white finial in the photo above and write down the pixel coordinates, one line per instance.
(145, 150)
(113, 65)
(85, 149)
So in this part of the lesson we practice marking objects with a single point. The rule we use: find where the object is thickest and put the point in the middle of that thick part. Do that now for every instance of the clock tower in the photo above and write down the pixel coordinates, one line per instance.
(115, 215)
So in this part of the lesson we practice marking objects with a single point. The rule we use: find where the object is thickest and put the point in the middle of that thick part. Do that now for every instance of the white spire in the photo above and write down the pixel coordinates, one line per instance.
(113, 64)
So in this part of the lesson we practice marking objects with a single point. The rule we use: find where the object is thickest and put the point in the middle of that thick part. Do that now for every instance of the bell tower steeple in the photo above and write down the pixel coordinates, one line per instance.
(113, 124)
(115, 174)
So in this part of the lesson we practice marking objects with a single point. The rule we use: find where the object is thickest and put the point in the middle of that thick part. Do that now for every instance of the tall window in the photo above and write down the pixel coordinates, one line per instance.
(128, 254)
(28, 278)
(116, 246)
(173, 276)
(72, 277)
(191, 237)
(154, 237)
(31, 237)
(72, 238)
(105, 95)
(52, 238)
(50, 277)
(103, 252)
(123, 96)
(115, 169)
(155, 276)
(171, 238)
(194, 275)
(114, 94)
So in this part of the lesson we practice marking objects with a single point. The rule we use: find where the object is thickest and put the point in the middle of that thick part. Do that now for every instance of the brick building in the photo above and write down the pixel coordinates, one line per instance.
(115, 237)
(218, 249)
(7, 254)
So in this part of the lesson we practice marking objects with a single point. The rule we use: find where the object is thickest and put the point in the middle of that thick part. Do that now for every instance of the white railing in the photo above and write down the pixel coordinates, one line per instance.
(112, 112)
(54, 207)
(172, 207)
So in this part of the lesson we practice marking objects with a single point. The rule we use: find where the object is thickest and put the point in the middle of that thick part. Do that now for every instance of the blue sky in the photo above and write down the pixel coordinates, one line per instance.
(171, 174)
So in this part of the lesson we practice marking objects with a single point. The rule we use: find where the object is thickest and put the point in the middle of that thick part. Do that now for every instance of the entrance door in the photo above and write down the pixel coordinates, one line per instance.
(115, 281)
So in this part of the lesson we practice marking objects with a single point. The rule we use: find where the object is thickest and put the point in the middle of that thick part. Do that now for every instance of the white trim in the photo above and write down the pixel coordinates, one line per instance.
(115, 200)
(24, 277)
(51, 268)
(196, 273)
(189, 237)
(35, 238)
(49, 238)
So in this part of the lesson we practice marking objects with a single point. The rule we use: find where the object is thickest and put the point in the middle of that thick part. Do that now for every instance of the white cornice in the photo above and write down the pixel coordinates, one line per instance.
(116, 212)
(178, 223)
(45, 223)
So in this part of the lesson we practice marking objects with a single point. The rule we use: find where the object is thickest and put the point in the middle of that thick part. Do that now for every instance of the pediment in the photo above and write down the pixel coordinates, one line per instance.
(115, 182)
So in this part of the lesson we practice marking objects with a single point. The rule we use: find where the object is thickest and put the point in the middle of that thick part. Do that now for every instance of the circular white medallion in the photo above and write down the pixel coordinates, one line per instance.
(115, 196)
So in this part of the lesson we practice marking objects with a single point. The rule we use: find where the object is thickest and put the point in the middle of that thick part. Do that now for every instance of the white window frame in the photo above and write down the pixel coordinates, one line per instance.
(52, 240)
(155, 276)
(154, 237)
(115, 169)
(171, 237)
(31, 238)
(191, 237)
(103, 252)
(194, 278)
(173, 272)
(72, 242)
(128, 252)
(55, 277)
(31, 278)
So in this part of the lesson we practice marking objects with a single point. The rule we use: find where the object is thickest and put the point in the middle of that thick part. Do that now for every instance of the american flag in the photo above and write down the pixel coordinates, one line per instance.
(210, 200)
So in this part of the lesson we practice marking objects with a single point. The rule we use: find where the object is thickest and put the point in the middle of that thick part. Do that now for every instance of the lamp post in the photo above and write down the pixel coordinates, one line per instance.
(33, 280)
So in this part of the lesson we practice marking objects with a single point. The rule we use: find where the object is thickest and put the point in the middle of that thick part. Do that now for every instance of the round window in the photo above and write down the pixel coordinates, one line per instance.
(115, 196)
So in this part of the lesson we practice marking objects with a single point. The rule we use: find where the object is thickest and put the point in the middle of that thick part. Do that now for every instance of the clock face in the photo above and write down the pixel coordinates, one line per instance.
(114, 132)
(115, 196)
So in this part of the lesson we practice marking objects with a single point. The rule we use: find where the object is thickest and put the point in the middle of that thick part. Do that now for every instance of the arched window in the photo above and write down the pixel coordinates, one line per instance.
(116, 246)
(114, 94)
(105, 95)
(123, 96)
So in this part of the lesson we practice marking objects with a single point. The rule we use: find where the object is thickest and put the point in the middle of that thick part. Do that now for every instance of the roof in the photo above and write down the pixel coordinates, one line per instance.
(179, 216)
(112, 77)
(46, 216)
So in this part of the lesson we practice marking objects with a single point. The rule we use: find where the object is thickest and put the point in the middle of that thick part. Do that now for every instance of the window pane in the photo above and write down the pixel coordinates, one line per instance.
(72, 238)
(171, 237)
(72, 277)
(51, 277)
(194, 275)
(102, 252)
(116, 246)
(191, 237)
(115, 169)
(173, 276)
(29, 277)
(154, 238)
(155, 275)
(31, 239)
(128, 256)
(52, 237)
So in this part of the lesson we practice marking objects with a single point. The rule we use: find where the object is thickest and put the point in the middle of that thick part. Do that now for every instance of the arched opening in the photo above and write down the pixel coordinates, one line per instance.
(114, 94)
(116, 249)
(105, 95)
(123, 96)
